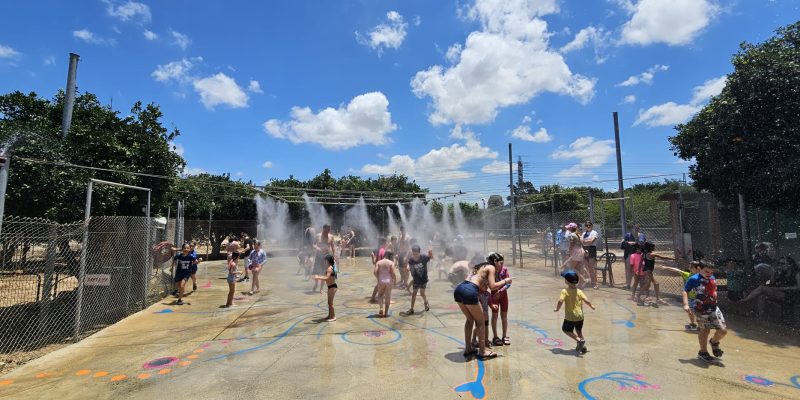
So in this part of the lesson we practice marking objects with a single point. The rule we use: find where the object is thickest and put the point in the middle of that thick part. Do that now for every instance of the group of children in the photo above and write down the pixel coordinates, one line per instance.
(486, 288)
(643, 263)
(699, 301)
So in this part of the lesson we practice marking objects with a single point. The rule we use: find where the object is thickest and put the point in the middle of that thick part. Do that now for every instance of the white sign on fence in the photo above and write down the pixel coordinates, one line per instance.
(791, 235)
(98, 280)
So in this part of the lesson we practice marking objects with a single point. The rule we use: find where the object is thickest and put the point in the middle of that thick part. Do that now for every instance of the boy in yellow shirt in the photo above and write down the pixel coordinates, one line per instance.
(573, 311)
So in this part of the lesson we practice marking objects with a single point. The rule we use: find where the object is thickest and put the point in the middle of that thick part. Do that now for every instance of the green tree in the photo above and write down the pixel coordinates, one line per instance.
(226, 201)
(743, 140)
(495, 200)
(30, 126)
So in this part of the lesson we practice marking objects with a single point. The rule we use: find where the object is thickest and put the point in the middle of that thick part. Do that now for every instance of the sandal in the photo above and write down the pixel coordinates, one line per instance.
(506, 341)
(427, 306)
(497, 341)
(487, 356)
(470, 353)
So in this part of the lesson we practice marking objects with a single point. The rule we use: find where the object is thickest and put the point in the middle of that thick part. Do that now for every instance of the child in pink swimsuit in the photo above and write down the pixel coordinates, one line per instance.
(635, 259)
(384, 272)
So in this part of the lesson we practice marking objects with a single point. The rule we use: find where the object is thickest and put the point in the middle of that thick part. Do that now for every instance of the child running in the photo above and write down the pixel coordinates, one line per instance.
(233, 269)
(386, 276)
(418, 267)
(705, 310)
(573, 310)
(330, 279)
(194, 265)
(499, 300)
(184, 261)
(694, 268)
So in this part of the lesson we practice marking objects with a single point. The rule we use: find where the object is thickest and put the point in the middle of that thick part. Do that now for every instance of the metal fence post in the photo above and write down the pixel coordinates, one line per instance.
(5, 161)
(148, 263)
(82, 270)
(553, 223)
(682, 239)
(44, 309)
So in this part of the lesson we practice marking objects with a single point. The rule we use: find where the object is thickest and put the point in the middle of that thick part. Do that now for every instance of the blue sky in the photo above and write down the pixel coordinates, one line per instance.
(432, 89)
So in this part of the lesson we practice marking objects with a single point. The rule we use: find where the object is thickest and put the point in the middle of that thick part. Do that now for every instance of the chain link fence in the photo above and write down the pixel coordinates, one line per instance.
(44, 301)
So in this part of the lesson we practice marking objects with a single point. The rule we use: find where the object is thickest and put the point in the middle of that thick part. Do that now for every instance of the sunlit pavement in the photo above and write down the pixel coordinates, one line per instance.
(272, 346)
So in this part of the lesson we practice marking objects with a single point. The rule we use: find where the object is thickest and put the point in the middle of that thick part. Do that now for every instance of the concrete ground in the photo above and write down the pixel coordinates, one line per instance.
(272, 346)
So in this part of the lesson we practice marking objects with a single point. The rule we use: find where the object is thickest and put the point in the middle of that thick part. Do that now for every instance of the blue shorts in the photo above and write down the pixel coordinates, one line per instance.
(182, 276)
(231, 278)
(193, 269)
(466, 293)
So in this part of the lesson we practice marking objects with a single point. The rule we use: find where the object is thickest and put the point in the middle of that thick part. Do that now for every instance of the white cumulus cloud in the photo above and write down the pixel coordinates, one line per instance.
(523, 132)
(597, 37)
(497, 167)
(588, 152)
(709, 89)
(389, 35)
(8, 52)
(667, 114)
(673, 22)
(254, 87)
(508, 62)
(629, 99)
(442, 164)
(645, 77)
(150, 35)
(179, 39)
(364, 120)
(89, 37)
(267, 164)
(176, 70)
(129, 10)
(671, 113)
(220, 89)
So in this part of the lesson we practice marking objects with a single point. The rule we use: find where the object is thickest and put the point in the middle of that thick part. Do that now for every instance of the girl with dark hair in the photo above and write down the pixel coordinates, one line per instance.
(648, 266)
(330, 279)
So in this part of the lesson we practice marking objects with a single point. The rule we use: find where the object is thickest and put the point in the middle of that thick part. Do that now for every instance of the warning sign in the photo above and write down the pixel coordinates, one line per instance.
(97, 280)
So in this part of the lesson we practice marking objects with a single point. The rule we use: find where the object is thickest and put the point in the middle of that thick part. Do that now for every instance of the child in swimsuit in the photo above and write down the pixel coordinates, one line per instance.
(330, 280)
(232, 271)
(385, 273)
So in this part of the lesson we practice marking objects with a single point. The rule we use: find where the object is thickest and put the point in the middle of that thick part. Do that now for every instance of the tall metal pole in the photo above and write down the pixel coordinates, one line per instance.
(5, 161)
(591, 206)
(513, 207)
(148, 262)
(82, 269)
(680, 226)
(69, 100)
(553, 224)
(622, 217)
(210, 213)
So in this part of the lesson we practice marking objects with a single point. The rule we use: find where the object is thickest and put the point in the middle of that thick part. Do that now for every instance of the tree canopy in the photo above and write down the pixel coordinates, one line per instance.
(743, 141)
(99, 137)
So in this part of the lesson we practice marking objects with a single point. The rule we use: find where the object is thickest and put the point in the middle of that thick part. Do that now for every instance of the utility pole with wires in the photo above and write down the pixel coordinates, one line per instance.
(519, 187)
(513, 206)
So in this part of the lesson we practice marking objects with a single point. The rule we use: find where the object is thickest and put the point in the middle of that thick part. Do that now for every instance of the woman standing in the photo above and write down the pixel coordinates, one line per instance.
(466, 296)
(257, 259)
(576, 260)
